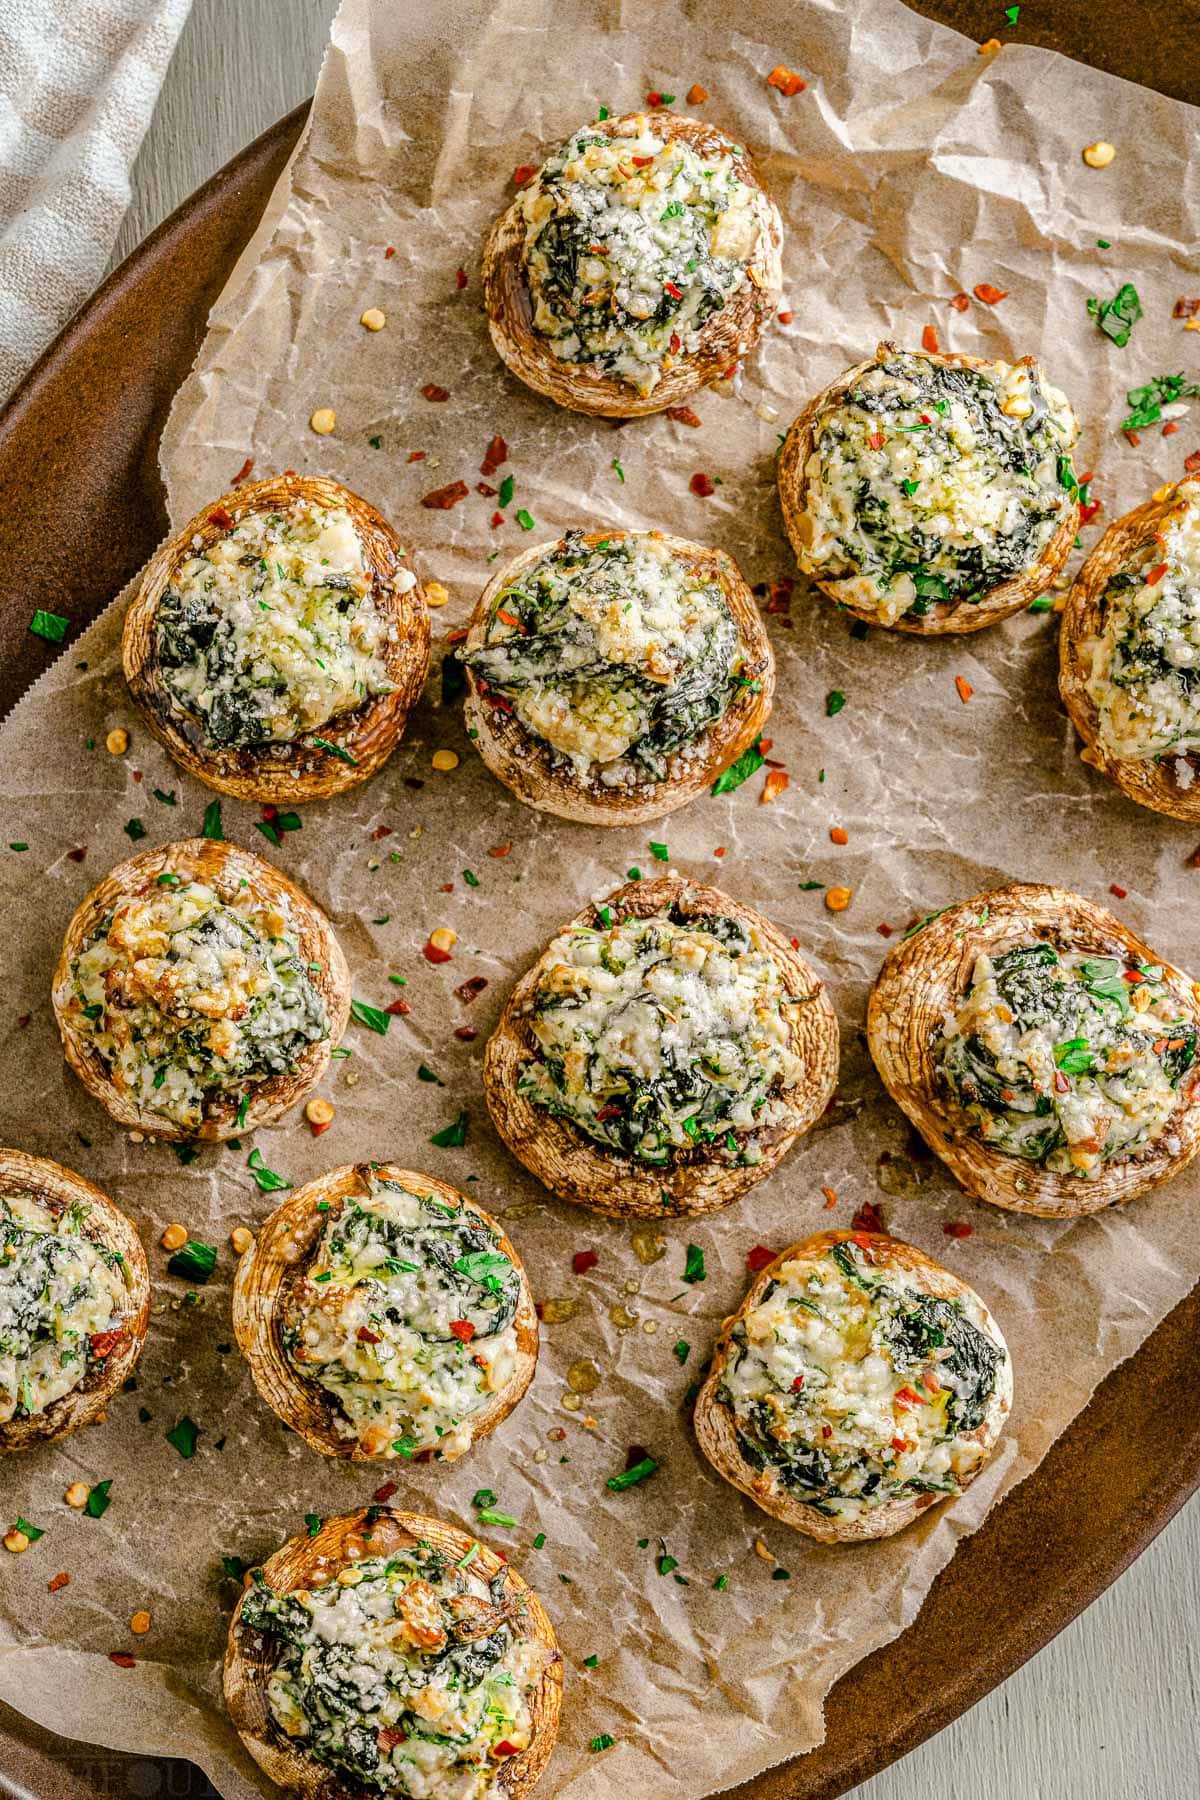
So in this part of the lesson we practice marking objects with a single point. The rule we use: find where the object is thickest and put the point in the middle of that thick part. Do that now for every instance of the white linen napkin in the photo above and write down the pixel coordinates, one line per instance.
(78, 83)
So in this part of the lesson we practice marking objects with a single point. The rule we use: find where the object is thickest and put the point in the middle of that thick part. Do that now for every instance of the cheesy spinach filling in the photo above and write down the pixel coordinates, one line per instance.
(664, 1036)
(613, 655)
(61, 1294)
(1145, 665)
(410, 1674)
(931, 483)
(858, 1387)
(405, 1316)
(631, 243)
(1066, 1059)
(190, 1000)
(273, 630)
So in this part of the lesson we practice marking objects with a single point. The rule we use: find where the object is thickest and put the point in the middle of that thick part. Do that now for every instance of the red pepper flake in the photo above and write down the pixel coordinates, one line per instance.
(798, 1384)
(900, 1444)
(1170, 428)
(785, 317)
(219, 517)
(779, 594)
(103, 1343)
(675, 293)
(431, 952)
(443, 498)
(885, 931)
(786, 80)
(641, 162)
(758, 1258)
(1088, 511)
(380, 831)
(399, 1009)
(958, 1228)
(1192, 463)
(868, 1217)
(367, 1336)
(383, 1494)
(830, 1198)
(471, 990)
(991, 296)
(929, 340)
(776, 781)
(720, 850)
(388, 1737)
(431, 391)
(417, 455)
(1133, 439)
(838, 834)
(583, 1260)
(136, 773)
(495, 454)
(654, 98)
(523, 172)
(246, 469)
(1156, 574)
(458, 636)
(316, 1126)
(462, 1329)
(1134, 976)
(460, 279)
(960, 302)
(57, 1581)
(1185, 308)
(697, 95)
(76, 856)
(877, 440)
(610, 1111)
(702, 486)
(389, 253)
(965, 690)
(1120, 892)
(497, 519)
(683, 415)
(486, 489)
(499, 849)
(906, 1397)
(504, 1748)
(466, 1034)
(122, 1659)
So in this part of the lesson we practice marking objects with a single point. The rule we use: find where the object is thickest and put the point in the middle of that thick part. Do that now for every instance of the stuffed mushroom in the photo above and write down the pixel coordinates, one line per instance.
(383, 1314)
(858, 1384)
(614, 675)
(636, 266)
(276, 645)
(391, 1654)
(1129, 653)
(74, 1300)
(663, 1054)
(1046, 1054)
(199, 992)
(932, 493)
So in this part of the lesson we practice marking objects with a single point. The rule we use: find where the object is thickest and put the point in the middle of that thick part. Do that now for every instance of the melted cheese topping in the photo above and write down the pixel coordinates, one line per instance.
(631, 243)
(273, 630)
(929, 483)
(189, 999)
(410, 1675)
(1145, 666)
(661, 1035)
(59, 1290)
(405, 1317)
(858, 1386)
(615, 655)
(1068, 1060)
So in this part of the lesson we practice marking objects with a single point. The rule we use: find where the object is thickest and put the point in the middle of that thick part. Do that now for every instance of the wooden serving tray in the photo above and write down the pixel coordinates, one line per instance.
(83, 508)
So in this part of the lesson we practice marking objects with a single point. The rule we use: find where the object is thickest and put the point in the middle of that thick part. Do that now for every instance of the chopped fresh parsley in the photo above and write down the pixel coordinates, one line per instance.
(693, 1268)
(746, 764)
(1146, 402)
(183, 1436)
(834, 702)
(267, 1179)
(628, 1478)
(51, 626)
(194, 1262)
(451, 1136)
(1118, 316)
(98, 1499)
(212, 827)
(373, 1017)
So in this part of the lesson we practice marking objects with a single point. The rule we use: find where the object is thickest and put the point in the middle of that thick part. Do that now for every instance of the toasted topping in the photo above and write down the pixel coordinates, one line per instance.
(405, 1315)
(858, 1386)
(631, 243)
(61, 1297)
(665, 1035)
(1068, 1059)
(413, 1680)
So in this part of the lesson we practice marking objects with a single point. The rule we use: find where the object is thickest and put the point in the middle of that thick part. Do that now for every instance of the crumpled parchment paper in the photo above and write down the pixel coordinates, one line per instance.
(911, 169)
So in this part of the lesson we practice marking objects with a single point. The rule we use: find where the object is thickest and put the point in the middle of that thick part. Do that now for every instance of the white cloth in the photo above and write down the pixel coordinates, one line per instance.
(78, 83)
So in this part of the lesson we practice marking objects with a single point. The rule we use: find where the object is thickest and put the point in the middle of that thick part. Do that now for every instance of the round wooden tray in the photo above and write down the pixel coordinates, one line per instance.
(84, 508)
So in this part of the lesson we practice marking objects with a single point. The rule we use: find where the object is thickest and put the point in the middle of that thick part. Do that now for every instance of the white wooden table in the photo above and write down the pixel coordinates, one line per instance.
(1111, 1709)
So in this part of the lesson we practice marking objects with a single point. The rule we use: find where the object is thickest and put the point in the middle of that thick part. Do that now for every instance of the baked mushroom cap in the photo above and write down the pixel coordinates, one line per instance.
(284, 1247)
(716, 1429)
(943, 617)
(924, 981)
(548, 781)
(724, 337)
(1169, 783)
(234, 875)
(349, 746)
(112, 1360)
(307, 1562)
(578, 1168)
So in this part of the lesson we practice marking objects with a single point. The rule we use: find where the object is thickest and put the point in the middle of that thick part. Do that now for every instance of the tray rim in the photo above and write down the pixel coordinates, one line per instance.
(835, 1766)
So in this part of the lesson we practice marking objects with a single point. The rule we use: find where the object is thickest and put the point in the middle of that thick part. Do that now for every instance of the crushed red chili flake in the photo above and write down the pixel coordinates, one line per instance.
(758, 1258)
(868, 1217)
(466, 1034)
(219, 517)
(776, 781)
(1185, 308)
(486, 489)
(57, 1581)
(676, 294)
(458, 635)
(399, 1009)
(460, 278)
(499, 849)
(417, 455)
(497, 519)
(317, 1126)
(785, 317)
(383, 1494)
(462, 1329)
(447, 887)
(786, 80)
(838, 834)
(380, 831)
(876, 440)
(122, 1659)
(830, 1197)
(246, 469)
(1120, 892)
(779, 594)
(495, 454)
(1192, 463)
(76, 856)
(583, 1260)
(990, 295)
(965, 690)
(431, 391)
(443, 498)
(929, 340)
(1088, 511)
(702, 486)
(641, 162)
(1170, 428)
(504, 1748)
(884, 931)
(1156, 574)
(432, 953)
(523, 172)
(697, 95)
(103, 1343)
(960, 302)
(720, 850)
(794, 942)
(389, 253)
(654, 98)
(367, 1336)
(683, 415)
(470, 990)
(1132, 439)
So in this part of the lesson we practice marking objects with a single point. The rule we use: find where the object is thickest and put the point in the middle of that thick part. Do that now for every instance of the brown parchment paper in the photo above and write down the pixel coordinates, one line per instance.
(911, 168)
